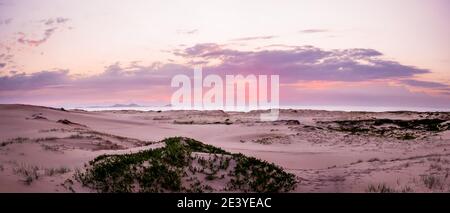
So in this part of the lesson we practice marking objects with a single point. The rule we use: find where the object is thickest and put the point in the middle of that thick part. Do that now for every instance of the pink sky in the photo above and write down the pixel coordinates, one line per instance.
(348, 52)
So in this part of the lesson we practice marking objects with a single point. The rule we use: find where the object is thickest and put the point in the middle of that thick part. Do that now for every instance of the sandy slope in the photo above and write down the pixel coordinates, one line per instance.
(51, 144)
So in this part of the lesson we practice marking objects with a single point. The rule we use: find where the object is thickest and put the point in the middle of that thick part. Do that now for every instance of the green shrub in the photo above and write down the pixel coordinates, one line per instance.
(162, 170)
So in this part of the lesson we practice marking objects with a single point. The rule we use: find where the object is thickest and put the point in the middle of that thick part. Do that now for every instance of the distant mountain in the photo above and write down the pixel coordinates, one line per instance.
(125, 105)
(117, 105)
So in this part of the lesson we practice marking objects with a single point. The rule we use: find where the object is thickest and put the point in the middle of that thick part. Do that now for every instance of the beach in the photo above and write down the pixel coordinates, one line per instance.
(327, 151)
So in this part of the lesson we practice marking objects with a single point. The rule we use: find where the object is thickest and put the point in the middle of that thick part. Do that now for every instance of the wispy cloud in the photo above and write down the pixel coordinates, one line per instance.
(51, 26)
(254, 38)
(32, 34)
(187, 32)
(424, 84)
(6, 21)
(36, 42)
(309, 31)
(57, 20)
(6, 58)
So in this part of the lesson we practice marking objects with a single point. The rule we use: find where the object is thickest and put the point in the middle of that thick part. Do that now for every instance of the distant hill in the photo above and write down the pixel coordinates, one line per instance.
(125, 105)
(116, 105)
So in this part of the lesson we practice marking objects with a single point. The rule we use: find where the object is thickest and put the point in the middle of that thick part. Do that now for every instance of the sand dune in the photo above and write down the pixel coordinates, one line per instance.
(42, 148)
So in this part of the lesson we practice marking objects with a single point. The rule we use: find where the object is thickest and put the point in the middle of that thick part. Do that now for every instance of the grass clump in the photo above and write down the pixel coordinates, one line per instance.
(29, 173)
(383, 188)
(56, 171)
(431, 181)
(380, 188)
(13, 141)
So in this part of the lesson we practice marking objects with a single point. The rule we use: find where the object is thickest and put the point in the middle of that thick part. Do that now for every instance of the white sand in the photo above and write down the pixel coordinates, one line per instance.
(322, 159)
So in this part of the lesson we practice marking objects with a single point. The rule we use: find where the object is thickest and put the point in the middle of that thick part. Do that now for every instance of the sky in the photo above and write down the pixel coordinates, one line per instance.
(383, 53)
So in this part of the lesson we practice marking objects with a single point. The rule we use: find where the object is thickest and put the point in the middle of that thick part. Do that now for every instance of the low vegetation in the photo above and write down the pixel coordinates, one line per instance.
(383, 188)
(68, 122)
(432, 182)
(183, 165)
(380, 188)
(56, 171)
(30, 173)
(399, 129)
(12, 141)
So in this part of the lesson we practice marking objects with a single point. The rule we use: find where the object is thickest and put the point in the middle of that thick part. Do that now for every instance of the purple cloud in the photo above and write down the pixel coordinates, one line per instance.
(54, 23)
(60, 20)
(36, 42)
(57, 20)
(424, 84)
(5, 60)
(6, 21)
(303, 63)
(295, 65)
(115, 77)
(37, 80)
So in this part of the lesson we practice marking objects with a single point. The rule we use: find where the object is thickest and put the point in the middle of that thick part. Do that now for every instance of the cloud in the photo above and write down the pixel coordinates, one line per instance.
(60, 20)
(424, 84)
(295, 64)
(254, 38)
(302, 63)
(116, 82)
(314, 31)
(49, 21)
(367, 95)
(6, 21)
(204, 50)
(114, 77)
(37, 80)
(53, 23)
(187, 32)
(41, 33)
(36, 42)
(6, 60)
(308, 75)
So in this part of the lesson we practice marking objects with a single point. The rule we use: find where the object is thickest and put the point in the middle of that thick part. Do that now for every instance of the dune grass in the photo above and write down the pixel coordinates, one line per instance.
(170, 169)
